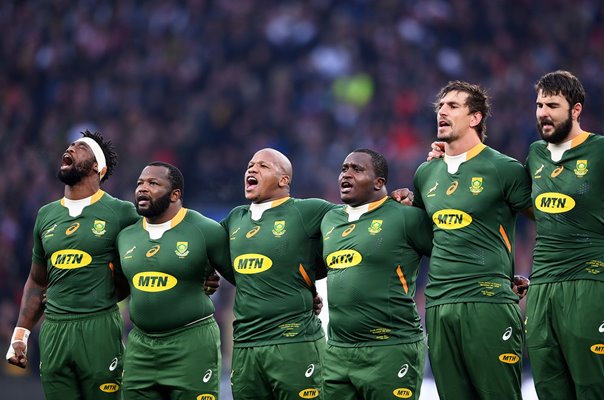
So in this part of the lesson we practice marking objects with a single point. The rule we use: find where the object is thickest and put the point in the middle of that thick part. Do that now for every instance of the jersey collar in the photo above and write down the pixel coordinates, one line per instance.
(354, 213)
(157, 230)
(257, 209)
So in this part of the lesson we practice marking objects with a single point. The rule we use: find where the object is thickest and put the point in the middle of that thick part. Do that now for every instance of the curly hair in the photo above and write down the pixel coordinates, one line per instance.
(108, 151)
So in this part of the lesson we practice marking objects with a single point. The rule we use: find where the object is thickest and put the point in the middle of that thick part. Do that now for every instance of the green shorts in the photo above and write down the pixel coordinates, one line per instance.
(374, 372)
(81, 355)
(565, 339)
(475, 350)
(280, 371)
(181, 364)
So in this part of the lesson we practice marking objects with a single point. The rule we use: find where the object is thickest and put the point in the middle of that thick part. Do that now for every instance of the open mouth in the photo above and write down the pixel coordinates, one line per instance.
(66, 161)
(443, 123)
(251, 182)
(345, 187)
(143, 200)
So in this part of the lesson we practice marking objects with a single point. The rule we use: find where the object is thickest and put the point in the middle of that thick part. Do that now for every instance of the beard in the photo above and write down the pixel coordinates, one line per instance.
(75, 174)
(560, 132)
(156, 207)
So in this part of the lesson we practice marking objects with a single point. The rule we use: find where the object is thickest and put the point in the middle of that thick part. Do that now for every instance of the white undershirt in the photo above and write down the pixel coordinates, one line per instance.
(557, 150)
(354, 213)
(156, 231)
(257, 209)
(453, 162)
(76, 207)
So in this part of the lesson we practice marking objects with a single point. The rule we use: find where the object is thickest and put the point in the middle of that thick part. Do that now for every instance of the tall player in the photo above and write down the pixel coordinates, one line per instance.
(73, 259)
(565, 311)
(372, 248)
(472, 195)
(275, 252)
(174, 347)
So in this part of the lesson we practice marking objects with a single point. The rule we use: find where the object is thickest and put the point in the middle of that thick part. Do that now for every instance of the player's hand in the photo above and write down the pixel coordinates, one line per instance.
(317, 304)
(211, 284)
(520, 285)
(437, 150)
(403, 196)
(17, 352)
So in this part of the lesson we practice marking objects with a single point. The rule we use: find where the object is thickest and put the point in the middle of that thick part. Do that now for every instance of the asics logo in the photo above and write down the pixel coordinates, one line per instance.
(309, 371)
(207, 376)
(113, 365)
(601, 328)
(507, 334)
(403, 371)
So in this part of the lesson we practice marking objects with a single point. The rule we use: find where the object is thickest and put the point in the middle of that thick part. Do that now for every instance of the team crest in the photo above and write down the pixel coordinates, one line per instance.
(476, 186)
(98, 228)
(375, 226)
(279, 228)
(182, 249)
(581, 168)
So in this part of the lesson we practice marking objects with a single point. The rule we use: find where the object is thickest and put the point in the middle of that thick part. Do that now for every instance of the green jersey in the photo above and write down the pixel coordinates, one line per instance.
(166, 271)
(473, 211)
(79, 251)
(372, 262)
(567, 198)
(276, 259)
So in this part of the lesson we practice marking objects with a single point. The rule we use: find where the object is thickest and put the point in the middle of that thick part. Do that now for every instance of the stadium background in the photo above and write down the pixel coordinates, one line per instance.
(204, 84)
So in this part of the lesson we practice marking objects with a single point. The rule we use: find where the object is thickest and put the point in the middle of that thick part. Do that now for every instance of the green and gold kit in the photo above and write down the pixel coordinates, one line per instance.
(567, 198)
(166, 274)
(276, 258)
(473, 211)
(372, 262)
(79, 251)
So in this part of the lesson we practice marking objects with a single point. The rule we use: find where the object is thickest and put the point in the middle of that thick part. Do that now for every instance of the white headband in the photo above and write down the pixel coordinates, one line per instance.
(98, 154)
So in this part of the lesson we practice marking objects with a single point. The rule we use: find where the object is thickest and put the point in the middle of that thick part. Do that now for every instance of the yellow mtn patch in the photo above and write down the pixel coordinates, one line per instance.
(451, 219)
(70, 259)
(554, 203)
(153, 281)
(252, 263)
(343, 259)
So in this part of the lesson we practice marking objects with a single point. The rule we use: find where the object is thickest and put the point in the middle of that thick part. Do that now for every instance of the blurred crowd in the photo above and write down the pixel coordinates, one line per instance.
(204, 84)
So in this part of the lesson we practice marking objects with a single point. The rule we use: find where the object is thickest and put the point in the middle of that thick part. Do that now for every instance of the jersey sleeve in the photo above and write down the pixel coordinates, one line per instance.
(218, 251)
(516, 185)
(418, 229)
(38, 250)
(417, 198)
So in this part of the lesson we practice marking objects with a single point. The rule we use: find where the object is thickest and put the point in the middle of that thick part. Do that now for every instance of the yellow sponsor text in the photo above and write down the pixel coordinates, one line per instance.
(451, 219)
(252, 263)
(109, 387)
(343, 259)
(403, 393)
(309, 393)
(206, 396)
(509, 358)
(70, 259)
(554, 203)
(152, 281)
(597, 348)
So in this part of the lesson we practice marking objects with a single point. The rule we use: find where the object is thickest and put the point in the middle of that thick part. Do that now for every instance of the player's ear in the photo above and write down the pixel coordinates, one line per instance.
(379, 183)
(284, 181)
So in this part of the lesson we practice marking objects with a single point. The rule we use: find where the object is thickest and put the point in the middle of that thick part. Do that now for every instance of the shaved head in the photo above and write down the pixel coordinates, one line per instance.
(277, 158)
(268, 176)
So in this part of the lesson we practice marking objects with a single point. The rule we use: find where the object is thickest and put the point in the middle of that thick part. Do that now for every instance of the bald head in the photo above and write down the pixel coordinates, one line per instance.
(277, 158)
(268, 176)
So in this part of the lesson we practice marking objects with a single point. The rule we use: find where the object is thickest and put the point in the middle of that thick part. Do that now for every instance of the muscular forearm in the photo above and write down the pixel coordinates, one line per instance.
(32, 306)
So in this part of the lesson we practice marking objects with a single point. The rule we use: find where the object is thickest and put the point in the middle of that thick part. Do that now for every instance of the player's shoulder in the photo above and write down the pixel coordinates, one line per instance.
(195, 217)
(311, 204)
(50, 207)
(402, 211)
